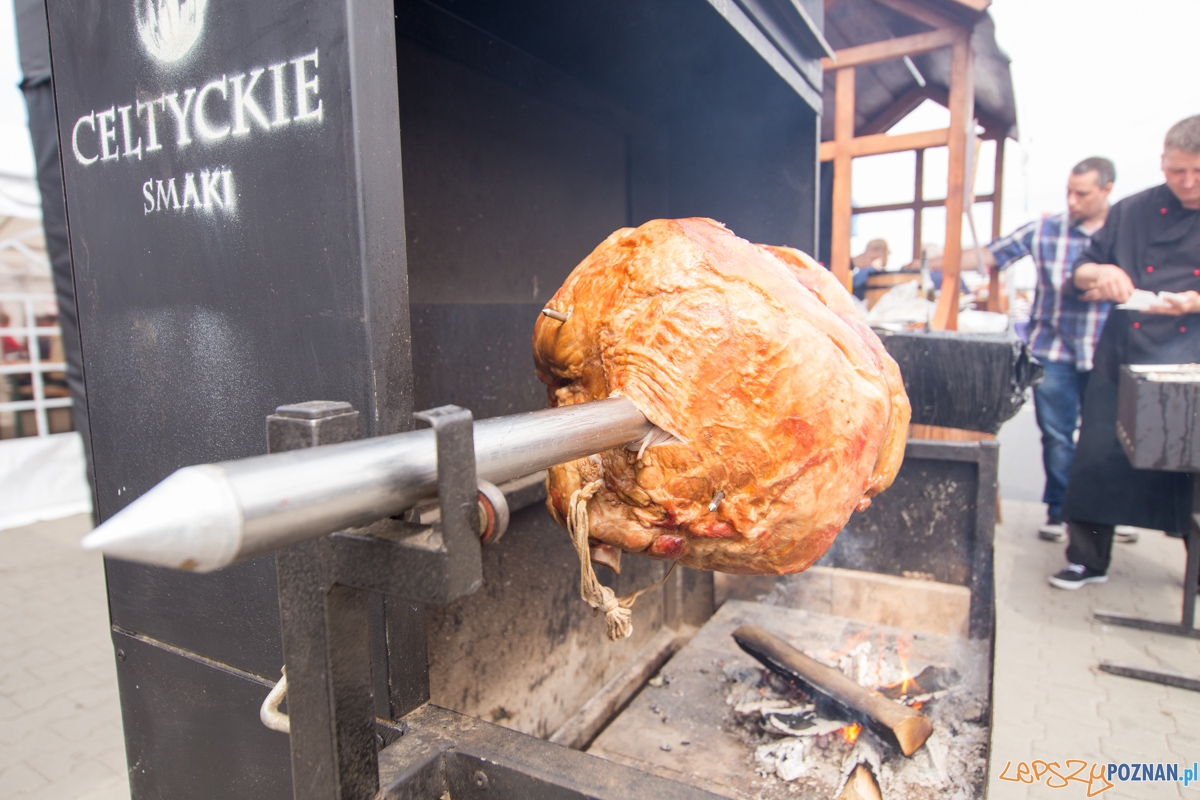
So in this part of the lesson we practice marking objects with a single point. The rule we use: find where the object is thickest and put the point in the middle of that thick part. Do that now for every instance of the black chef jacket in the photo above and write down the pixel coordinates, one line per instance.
(1157, 242)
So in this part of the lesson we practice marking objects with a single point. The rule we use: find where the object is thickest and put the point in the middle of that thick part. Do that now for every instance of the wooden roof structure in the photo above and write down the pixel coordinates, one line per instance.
(889, 57)
(887, 91)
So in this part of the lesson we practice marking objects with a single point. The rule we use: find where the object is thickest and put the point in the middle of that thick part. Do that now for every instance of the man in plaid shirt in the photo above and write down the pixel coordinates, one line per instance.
(1063, 330)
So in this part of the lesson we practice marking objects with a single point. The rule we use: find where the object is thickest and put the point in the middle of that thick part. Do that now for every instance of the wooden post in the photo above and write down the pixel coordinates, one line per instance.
(996, 302)
(918, 204)
(962, 114)
(998, 187)
(843, 133)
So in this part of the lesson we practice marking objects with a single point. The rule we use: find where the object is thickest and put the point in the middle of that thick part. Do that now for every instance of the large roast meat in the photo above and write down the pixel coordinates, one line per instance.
(780, 412)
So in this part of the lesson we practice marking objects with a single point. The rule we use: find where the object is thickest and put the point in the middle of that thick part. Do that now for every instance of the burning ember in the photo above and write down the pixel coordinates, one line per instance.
(798, 745)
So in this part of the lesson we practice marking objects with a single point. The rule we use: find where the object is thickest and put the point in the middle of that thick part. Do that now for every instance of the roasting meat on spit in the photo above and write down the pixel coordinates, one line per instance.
(779, 411)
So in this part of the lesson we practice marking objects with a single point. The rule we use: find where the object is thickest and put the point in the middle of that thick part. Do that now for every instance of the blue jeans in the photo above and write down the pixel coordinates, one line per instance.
(1058, 401)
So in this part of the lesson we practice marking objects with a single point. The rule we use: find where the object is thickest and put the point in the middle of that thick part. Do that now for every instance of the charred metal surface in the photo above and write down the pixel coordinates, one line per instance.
(536, 651)
(957, 380)
(1158, 422)
(443, 750)
(937, 521)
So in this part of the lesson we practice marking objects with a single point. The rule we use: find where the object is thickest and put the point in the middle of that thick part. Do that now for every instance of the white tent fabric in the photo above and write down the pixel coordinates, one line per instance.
(42, 478)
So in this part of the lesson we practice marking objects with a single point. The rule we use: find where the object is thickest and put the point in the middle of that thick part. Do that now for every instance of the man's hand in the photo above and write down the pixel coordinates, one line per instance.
(1175, 305)
(1103, 282)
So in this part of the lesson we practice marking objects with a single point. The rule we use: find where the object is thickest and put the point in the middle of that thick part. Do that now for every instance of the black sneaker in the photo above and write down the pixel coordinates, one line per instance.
(1076, 575)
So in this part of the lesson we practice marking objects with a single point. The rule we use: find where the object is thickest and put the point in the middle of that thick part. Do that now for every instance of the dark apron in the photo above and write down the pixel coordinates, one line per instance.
(1103, 487)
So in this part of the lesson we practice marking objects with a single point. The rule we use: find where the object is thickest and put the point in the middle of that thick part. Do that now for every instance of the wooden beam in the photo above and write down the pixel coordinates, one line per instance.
(843, 135)
(920, 13)
(978, 6)
(983, 198)
(899, 47)
(897, 110)
(962, 107)
(880, 143)
(919, 202)
(997, 302)
(998, 187)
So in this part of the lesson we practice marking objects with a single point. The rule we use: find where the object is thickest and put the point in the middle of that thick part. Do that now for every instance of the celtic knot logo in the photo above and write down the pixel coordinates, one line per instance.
(169, 28)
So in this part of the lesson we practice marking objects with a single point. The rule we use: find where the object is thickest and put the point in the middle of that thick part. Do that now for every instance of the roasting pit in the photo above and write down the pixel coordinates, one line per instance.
(715, 717)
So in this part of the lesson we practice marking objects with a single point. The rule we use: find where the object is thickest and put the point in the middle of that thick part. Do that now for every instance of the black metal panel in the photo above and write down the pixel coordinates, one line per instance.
(937, 521)
(192, 728)
(477, 355)
(957, 380)
(231, 616)
(508, 187)
(757, 175)
(1158, 422)
(710, 121)
(281, 281)
(660, 60)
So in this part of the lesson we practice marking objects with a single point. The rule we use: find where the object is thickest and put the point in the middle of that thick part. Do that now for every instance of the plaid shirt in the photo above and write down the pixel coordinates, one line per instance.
(1062, 328)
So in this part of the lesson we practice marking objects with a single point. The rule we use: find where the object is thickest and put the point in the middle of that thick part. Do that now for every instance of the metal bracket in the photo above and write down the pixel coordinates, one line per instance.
(324, 598)
(340, 750)
(457, 492)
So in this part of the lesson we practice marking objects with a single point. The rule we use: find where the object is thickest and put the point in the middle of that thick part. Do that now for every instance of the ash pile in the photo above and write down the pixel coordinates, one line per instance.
(802, 748)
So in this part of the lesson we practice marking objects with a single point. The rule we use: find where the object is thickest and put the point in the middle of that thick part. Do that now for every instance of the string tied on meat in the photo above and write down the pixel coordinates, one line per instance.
(617, 610)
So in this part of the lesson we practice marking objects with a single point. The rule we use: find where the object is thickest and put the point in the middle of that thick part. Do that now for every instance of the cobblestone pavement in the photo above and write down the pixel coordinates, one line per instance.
(1051, 702)
(60, 720)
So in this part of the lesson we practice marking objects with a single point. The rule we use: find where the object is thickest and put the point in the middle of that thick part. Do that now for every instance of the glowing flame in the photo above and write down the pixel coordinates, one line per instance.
(850, 732)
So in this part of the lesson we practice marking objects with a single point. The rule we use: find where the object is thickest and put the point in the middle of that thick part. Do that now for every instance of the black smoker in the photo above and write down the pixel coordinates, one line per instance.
(290, 200)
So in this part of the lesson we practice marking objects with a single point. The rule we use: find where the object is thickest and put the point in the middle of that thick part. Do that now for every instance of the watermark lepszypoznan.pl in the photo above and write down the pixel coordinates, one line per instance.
(1097, 778)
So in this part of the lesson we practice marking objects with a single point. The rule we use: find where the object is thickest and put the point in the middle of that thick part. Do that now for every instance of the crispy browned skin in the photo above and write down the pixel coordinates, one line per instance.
(821, 282)
(779, 397)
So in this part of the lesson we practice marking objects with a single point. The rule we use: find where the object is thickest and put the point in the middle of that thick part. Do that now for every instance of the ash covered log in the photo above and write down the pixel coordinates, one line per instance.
(835, 694)
(860, 786)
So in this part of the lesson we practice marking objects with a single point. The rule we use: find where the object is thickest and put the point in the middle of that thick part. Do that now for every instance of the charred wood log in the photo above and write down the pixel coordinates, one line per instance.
(835, 694)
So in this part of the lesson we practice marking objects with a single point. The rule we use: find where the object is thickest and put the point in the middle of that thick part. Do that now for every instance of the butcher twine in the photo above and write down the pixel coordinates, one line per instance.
(601, 598)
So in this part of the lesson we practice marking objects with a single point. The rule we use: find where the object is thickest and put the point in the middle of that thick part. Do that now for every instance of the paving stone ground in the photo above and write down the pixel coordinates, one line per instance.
(60, 719)
(1051, 701)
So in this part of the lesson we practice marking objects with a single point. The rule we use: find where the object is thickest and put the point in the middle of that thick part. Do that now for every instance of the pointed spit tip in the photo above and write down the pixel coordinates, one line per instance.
(191, 521)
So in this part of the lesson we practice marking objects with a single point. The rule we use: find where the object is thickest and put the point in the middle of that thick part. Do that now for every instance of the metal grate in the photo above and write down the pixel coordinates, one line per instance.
(23, 342)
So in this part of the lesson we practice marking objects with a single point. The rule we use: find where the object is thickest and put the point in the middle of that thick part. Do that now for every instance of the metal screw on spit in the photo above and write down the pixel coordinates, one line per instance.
(558, 315)
(716, 501)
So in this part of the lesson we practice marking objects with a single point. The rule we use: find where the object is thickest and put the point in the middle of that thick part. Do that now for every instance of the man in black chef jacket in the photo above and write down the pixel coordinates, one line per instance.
(1150, 242)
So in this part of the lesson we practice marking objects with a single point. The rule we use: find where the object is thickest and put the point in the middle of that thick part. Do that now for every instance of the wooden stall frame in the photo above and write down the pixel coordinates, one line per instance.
(846, 146)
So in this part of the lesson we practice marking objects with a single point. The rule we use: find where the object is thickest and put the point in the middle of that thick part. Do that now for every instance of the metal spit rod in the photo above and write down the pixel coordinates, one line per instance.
(206, 517)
